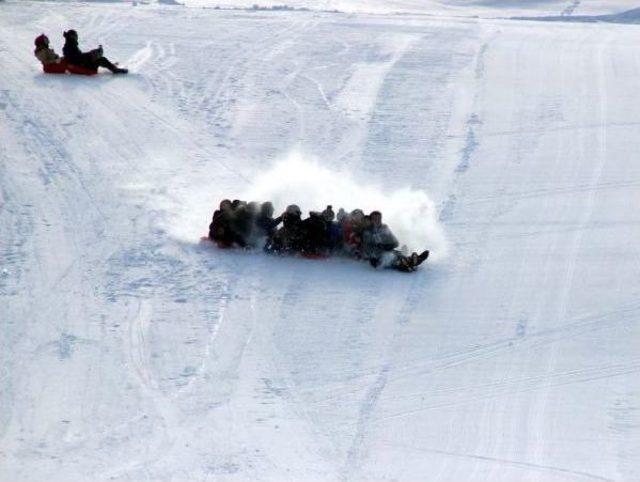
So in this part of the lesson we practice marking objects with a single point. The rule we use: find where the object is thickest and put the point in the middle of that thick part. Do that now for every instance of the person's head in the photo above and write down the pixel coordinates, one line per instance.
(235, 204)
(356, 216)
(71, 35)
(328, 214)
(42, 41)
(291, 216)
(267, 209)
(342, 215)
(225, 205)
(293, 210)
(376, 218)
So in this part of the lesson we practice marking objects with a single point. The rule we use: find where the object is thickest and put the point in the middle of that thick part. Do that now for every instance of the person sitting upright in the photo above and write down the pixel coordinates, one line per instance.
(377, 238)
(50, 60)
(220, 227)
(266, 224)
(90, 60)
(314, 230)
(379, 247)
(290, 237)
(334, 230)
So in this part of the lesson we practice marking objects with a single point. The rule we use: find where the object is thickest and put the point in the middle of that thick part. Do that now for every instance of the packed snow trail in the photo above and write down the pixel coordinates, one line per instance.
(130, 351)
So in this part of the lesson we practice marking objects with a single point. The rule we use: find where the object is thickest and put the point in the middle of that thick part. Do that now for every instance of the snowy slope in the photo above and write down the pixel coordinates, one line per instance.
(467, 8)
(131, 351)
(482, 8)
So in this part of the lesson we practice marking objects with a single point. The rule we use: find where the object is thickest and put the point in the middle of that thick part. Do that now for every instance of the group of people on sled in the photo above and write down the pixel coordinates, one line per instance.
(356, 235)
(74, 60)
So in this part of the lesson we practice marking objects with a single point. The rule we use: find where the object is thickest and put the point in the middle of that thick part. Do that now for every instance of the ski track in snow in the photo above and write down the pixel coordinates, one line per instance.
(129, 350)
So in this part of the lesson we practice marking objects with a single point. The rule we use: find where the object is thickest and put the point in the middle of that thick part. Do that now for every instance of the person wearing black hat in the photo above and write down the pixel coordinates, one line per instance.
(90, 60)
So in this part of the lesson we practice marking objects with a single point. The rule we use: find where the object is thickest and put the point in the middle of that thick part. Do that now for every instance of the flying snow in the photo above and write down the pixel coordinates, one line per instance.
(297, 179)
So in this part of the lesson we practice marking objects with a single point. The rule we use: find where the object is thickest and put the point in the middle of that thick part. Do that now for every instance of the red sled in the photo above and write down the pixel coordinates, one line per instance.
(55, 68)
(79, 70)
(63, 67)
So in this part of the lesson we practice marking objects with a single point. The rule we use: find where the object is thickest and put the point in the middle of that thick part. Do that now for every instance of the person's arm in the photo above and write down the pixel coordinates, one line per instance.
(275, 222)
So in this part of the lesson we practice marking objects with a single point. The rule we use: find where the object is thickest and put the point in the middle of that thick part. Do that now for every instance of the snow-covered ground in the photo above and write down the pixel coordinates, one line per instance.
(131, 351)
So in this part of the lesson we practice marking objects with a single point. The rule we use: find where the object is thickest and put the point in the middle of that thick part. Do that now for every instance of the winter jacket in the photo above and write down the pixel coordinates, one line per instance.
(267, 225)
(334, 235)
(290, 237)
(314, 231)
(46, 55)
(75, 56)
(220, 229)
(376, 239)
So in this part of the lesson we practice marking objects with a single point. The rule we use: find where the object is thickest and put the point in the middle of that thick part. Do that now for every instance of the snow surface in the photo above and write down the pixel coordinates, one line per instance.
(131, 351)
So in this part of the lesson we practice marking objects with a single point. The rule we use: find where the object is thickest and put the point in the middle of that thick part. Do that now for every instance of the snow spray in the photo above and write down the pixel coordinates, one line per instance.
(410, 213)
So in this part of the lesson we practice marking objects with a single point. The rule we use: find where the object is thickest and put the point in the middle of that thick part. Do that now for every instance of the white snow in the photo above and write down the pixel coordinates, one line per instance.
(129, 350)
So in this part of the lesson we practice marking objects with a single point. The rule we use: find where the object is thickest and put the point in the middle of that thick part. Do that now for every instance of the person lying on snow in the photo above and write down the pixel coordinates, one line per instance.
(379, 247)
(89, 60)
(44, 53)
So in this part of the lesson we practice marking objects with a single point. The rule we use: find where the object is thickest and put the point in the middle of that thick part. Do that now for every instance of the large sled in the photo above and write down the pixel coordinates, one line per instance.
(80, 70)
(64, 67)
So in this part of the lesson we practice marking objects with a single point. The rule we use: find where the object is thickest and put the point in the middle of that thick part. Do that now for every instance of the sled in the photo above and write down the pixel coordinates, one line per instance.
(79, 70)
(63, 67)
(55, 68)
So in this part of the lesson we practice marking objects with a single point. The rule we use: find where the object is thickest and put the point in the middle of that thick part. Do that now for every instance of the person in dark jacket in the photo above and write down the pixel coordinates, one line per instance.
(290, 237)
(334, 230)
(220, 227)
(90, 60)
(266, 224)
(243, 223)
(314, 230)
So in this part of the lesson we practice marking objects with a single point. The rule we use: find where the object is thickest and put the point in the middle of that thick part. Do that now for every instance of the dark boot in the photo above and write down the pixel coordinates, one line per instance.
(423, 257)
(417, 259)
(403, 263)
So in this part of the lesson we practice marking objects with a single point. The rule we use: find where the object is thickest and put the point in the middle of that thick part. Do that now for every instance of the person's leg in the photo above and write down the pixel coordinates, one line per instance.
(400, 262)
(104, 62)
